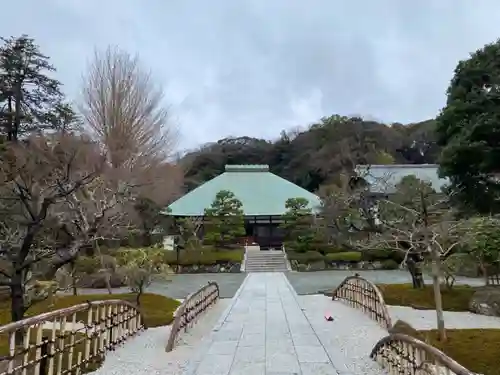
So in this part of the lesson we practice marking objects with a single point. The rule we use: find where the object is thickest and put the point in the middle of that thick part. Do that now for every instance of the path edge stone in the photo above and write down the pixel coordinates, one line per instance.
(226, 313)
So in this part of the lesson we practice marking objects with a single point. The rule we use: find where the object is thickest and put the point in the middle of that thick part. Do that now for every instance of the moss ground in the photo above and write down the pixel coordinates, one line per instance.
(456, 299)
(475, 349)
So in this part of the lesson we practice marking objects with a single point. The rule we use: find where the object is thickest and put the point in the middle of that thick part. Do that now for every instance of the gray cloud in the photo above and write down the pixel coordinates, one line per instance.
(255, 67)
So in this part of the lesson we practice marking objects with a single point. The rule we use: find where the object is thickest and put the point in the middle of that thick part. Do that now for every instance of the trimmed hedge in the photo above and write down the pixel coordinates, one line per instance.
(204, 257)
(377, 255)
(307, 257)
(87, 265)
(347, 256)
(390, 264)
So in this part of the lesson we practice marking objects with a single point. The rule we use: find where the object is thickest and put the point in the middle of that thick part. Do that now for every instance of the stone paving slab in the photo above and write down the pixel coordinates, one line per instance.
(264, 332)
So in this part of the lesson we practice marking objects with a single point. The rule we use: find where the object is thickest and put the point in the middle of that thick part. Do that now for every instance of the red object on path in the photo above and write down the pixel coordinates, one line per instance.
(328, 318)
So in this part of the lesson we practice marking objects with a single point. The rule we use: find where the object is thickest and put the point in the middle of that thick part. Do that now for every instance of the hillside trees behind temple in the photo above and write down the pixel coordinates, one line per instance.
(315, 156)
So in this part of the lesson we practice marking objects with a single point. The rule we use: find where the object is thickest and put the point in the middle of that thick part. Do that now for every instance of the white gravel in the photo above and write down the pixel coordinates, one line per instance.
(351, 333)
(356, 340)
(145, 354)
(426, 319)
(348, 340)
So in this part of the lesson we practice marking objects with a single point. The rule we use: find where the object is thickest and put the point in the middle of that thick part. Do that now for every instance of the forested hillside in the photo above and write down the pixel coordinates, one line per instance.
(315, 156)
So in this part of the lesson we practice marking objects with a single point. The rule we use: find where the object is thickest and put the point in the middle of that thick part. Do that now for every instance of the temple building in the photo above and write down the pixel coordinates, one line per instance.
(382, 179)
(262, 194)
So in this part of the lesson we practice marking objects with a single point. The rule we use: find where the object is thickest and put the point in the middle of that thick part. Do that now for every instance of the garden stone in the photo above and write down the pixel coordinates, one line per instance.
(301, 267)
(212, 268)
(486, 302)
(316, 266)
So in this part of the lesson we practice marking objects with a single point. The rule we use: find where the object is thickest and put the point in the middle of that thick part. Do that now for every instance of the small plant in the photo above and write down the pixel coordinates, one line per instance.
(141, 266)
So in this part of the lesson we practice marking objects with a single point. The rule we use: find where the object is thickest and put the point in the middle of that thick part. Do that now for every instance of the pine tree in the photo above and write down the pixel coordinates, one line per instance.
(224, 219)
(30, 101)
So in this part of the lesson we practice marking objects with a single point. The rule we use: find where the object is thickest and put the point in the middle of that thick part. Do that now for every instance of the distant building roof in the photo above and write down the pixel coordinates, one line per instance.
(384, 178)
(260, 191)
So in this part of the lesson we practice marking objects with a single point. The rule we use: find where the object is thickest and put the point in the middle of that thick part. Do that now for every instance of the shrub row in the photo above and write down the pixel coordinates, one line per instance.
(371, 255)
(340, 257)
(207, 256)
(203, 257)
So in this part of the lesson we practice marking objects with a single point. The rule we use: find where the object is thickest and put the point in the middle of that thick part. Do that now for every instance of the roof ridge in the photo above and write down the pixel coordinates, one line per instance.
(246, 168)
(390, 166)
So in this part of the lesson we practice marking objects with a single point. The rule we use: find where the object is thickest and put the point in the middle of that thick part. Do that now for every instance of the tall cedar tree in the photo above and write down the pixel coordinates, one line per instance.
(30, 101)
(469, 129)
(225, 221)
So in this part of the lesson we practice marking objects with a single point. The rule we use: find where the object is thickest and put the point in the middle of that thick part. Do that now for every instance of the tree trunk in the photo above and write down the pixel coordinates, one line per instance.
(18, 109)
(107, 277)
(484, 271)
(415, 270)
(146, 238)
(138, 298)
(17, 308)
(73, 279)
(108, 282)
(17, 298)
(419, 277)
(436, 268)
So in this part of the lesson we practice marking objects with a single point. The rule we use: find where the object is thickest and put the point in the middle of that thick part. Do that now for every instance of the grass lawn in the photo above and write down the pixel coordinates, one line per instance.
(456, 299)
(157, 311)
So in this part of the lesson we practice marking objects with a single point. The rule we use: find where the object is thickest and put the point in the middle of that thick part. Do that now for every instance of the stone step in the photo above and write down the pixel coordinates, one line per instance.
(260, 255)
(265, 259)
(270, 269)
(264, 264)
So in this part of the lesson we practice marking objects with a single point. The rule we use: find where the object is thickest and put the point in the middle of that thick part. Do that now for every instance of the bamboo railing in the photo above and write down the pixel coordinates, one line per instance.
(362, 294)
(190, 310)
(404, 355)
(69, 340)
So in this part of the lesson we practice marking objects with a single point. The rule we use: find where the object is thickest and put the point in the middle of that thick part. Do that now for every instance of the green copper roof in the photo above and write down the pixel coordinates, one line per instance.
(260, 191)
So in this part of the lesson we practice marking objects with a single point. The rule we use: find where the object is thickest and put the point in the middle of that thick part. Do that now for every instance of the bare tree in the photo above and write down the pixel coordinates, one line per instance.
(418, 221)
(94, 211)
(123, 109)
(37, 176)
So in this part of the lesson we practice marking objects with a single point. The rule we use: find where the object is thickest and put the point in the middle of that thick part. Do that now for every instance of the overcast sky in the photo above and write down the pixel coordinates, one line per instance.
(255, 67)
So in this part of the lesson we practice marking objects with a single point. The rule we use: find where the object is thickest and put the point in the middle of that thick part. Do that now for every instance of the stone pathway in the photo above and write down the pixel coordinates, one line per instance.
(266, 329)
(264, 332)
